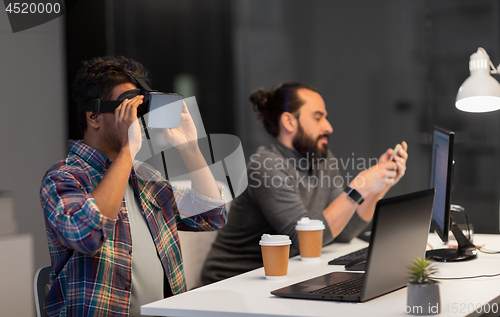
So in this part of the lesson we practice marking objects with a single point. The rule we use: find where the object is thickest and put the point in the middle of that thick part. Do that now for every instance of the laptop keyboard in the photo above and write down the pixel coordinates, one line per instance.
(344, 259)
(348, 287)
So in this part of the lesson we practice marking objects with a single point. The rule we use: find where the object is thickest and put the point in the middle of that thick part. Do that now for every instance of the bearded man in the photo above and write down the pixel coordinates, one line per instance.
(296, 176)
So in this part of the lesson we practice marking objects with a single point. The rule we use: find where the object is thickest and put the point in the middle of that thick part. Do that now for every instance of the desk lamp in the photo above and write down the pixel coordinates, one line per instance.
(480, 92)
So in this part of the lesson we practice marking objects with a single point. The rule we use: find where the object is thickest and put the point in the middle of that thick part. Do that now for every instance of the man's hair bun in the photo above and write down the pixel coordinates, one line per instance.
(270, 104)
(259, 98)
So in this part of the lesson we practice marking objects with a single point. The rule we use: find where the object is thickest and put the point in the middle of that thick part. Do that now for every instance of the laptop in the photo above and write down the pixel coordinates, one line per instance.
(399, 235)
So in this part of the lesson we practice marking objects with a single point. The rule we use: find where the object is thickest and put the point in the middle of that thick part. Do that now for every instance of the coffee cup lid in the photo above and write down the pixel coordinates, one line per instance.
(268, 239)
(306, 224)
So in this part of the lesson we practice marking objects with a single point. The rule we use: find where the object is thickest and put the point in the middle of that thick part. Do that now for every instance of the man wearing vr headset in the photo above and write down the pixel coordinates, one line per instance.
(99, 200)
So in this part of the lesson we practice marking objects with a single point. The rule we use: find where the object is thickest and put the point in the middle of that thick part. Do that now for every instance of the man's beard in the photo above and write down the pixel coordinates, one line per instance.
(307, 147)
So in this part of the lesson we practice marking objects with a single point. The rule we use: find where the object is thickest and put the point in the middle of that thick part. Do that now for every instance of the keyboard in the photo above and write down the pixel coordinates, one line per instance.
(349, 287)
(344, 259)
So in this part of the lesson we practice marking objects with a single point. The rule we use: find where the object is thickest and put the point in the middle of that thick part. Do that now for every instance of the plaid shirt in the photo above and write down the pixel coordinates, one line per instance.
(92, 254)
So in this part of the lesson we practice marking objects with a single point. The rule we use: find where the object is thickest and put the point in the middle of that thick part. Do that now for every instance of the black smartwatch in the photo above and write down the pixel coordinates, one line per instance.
(354, 195)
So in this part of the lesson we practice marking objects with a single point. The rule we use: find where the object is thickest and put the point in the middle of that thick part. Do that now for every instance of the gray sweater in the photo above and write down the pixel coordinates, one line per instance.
(282, 188)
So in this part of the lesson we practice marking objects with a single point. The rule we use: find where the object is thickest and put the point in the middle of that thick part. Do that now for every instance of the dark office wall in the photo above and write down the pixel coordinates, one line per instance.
(174, 40)
(365, 57)
(85, 38)
(389, 71)
(32, 138)
(455, 29)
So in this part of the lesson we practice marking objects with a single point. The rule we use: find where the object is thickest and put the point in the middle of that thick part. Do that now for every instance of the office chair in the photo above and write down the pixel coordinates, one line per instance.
(41, 288)
(196, 245)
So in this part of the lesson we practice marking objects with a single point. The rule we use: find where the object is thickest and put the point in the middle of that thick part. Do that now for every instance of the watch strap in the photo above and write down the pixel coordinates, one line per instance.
(354, 195)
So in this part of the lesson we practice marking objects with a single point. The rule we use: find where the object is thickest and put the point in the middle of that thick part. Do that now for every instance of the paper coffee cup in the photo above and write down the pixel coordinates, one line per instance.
(275, 253)
(310, 234)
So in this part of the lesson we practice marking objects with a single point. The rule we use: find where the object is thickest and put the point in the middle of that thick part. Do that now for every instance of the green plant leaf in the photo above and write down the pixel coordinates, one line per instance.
(421, 272)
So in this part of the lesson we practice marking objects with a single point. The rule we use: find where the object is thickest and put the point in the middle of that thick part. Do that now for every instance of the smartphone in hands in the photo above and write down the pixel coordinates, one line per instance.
(396, 150)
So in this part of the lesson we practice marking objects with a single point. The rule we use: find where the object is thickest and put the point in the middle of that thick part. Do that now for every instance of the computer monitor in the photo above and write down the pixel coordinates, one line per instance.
(442, 179)
(442, 165)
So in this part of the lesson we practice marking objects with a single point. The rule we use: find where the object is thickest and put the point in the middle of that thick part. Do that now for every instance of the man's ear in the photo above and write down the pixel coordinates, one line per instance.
(289, 122)
(93, 120)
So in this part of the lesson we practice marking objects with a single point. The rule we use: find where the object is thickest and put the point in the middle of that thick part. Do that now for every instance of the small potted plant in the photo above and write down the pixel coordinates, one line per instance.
(423, 291)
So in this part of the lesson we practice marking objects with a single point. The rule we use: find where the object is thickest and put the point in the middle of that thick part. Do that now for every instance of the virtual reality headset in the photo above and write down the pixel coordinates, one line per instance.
(158, 109)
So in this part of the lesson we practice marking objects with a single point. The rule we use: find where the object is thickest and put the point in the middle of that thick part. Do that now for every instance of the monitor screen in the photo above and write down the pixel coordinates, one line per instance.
(441, 180)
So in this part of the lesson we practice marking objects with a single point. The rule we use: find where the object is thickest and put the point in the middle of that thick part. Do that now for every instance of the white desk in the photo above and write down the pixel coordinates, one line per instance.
(249, 294)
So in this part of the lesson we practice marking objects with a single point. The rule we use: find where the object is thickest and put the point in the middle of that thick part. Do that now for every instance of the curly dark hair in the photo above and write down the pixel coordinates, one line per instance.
(97, 78)
(270, 104)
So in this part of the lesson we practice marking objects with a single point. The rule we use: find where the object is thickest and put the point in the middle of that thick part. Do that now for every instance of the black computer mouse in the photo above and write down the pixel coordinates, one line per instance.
(356, 265)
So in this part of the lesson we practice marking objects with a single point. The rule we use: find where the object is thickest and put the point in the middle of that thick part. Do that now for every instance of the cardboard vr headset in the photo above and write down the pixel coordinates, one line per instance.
(158, 110)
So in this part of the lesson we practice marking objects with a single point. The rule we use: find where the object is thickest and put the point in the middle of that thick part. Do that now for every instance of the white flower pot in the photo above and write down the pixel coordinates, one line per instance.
(423, 299)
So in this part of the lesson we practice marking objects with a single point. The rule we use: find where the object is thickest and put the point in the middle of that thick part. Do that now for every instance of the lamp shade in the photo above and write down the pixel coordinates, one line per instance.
(480, 92)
